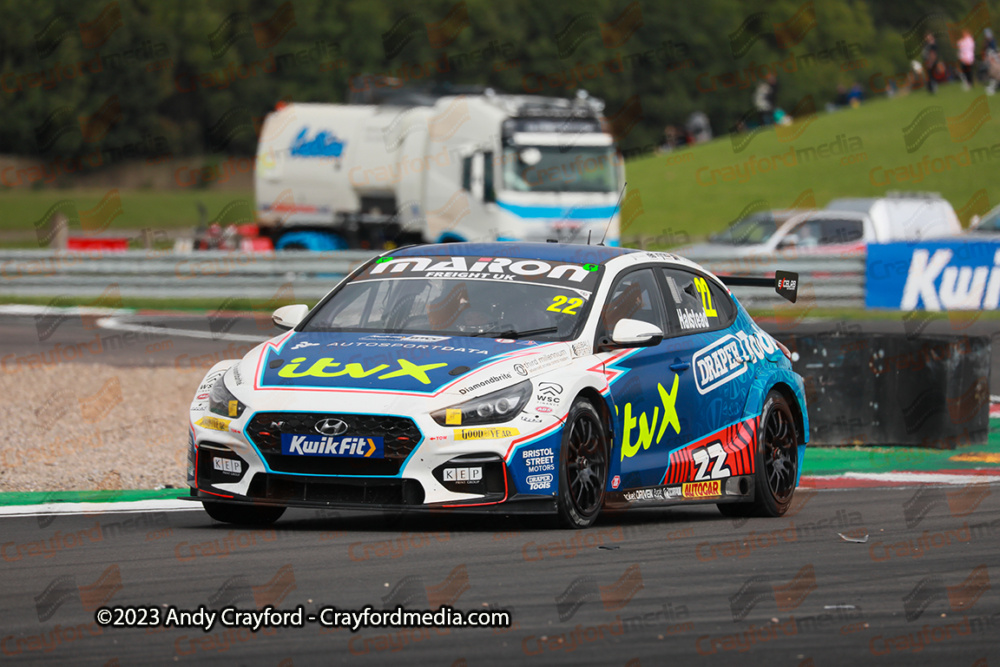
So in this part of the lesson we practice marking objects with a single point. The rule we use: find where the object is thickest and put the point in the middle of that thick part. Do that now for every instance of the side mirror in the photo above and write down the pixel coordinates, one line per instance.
(287, 317)
(634, 333)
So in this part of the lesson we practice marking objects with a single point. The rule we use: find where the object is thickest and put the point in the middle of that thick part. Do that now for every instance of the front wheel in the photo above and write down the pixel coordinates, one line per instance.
(583, 468)
(247, 515)
(776, 463)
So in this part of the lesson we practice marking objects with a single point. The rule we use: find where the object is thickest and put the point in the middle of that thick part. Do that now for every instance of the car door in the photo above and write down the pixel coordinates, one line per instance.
(639, 379)
(676, 394)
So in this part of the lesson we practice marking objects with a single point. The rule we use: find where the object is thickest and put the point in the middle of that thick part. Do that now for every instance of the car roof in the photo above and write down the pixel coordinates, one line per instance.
(556, 252)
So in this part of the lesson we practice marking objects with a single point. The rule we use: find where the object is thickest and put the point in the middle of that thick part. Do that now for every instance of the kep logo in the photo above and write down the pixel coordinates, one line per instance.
(613, 597)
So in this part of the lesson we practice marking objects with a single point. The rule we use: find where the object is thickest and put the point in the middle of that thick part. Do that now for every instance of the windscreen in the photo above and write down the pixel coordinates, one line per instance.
(753, 229)
(560, 168)
(500, 297)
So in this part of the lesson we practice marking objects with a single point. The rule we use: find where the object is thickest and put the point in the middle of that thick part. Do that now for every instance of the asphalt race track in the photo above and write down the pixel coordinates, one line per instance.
(638, 589)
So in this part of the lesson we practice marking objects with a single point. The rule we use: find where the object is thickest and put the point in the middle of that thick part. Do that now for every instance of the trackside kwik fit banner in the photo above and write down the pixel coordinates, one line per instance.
(934, 275)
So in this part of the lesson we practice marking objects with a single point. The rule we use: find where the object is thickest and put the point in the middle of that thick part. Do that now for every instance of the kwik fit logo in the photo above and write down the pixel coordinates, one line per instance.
(935, 283)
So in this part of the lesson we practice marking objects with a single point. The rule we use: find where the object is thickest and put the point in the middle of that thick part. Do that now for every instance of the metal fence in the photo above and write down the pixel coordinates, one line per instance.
(824, 281)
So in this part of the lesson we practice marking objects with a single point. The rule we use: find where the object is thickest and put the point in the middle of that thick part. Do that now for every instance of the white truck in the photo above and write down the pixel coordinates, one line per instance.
(436, 169)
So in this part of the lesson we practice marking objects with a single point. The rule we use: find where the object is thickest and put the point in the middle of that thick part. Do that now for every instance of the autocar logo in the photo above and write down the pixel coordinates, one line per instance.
(331, 426)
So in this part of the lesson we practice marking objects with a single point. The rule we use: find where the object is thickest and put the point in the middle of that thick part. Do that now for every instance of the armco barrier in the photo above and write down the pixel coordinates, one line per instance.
(931, 391)
(824, 281)
(150, 274)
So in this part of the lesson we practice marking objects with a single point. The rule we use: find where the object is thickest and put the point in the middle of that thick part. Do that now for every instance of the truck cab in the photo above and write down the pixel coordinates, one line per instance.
(461, 167)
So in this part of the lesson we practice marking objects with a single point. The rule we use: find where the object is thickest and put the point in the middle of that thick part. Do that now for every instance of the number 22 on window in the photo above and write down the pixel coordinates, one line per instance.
(565, 305)
(706, 296)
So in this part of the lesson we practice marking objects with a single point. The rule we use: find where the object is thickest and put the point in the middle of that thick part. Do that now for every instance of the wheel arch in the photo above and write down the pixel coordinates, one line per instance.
(599, 402)
(791, 388)
(793, 403)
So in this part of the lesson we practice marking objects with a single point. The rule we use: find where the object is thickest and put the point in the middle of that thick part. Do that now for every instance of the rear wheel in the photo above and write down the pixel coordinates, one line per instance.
(247, 515)
(776, 464)
(583, 468)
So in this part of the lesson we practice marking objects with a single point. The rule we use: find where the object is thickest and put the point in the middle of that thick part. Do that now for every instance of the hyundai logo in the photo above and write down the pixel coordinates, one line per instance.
(331, 426)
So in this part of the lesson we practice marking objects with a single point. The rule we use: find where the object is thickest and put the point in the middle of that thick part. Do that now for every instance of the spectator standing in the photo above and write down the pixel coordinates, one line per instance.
(967, 58)
(765, 97)
(931, 62)
(991, 58)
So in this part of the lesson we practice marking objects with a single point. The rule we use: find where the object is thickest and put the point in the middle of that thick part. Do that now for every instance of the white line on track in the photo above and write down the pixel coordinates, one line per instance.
(915, 477)
(116, 323)
(100, 508)
(29, 310)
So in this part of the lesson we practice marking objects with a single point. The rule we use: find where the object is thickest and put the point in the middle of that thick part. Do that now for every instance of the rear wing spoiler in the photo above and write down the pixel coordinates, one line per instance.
(785, 283)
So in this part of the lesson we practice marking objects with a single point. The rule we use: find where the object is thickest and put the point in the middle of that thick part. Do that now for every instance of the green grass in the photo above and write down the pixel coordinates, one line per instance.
(155, 209)
(681, 203)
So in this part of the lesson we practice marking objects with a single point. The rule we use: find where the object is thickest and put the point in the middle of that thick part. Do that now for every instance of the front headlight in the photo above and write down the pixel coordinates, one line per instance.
(500, 406)
(222, 402)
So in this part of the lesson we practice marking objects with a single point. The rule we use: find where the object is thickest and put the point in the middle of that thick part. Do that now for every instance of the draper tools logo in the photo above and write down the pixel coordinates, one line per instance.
(613, 597)
(758, 588)
(931, 120)
(786, 33)
(238, 589)
(613, 35)
(64, 589)
(960, 597)
(410, 591)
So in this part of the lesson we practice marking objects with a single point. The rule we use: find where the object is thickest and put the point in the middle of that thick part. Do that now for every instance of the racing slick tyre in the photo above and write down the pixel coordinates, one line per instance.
(247, 515)
(777, 463)
(583, 468)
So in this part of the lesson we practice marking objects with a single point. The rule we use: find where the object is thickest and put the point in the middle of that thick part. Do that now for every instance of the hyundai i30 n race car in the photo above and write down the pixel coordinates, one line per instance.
(506, 377)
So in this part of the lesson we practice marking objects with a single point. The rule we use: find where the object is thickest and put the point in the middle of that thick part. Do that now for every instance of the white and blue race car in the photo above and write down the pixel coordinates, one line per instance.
(517, 378)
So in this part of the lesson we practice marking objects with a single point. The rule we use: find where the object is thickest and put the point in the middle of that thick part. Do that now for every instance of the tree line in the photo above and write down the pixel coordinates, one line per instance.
(134, 78)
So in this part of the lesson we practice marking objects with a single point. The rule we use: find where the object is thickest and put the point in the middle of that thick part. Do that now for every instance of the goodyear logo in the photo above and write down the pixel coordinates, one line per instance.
(213, 423)
(702, 489)
(331, 445)
(485, 433)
